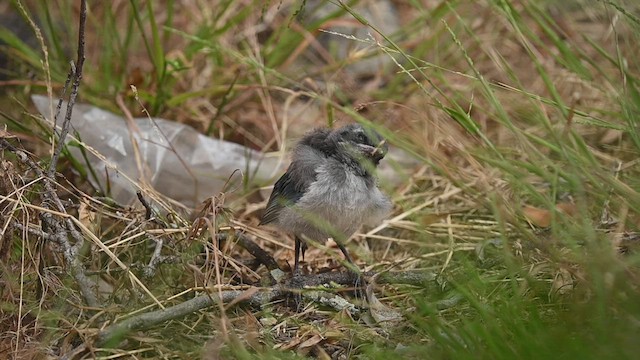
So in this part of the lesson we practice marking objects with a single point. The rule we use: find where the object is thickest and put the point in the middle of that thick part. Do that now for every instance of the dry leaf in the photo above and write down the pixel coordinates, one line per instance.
(382, 314)
(290, 345)
(542, 217)
(4, 134)
(610, 136)
(567, 208)
(244, 296)
(536, 216)
(562, 283)
(315, 339)
(87, 216)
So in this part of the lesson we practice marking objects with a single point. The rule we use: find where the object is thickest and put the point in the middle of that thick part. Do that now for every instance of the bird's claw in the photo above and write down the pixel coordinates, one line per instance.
(296, 285)
(359, 285)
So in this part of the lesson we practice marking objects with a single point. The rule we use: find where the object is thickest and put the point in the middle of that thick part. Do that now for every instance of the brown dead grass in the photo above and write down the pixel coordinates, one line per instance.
(458, 220)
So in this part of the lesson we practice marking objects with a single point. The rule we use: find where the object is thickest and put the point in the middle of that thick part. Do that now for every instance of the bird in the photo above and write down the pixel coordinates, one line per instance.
(329, 189)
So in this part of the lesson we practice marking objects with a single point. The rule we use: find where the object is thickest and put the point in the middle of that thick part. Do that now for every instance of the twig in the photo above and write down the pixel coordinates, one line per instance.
(50, 193)
(253, 297)
(76, 75)
(59, 234)
(50, 197)
(415, 278)
(256, 251)
(32, 231)
(112, 334)
(148, 211)
(56, 231)
(156, 258)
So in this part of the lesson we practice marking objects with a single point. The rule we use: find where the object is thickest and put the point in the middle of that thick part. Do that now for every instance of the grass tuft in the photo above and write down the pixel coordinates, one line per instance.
(514, 172)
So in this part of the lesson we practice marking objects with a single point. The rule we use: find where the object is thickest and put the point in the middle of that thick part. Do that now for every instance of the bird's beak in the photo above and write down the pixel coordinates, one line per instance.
(380, 151)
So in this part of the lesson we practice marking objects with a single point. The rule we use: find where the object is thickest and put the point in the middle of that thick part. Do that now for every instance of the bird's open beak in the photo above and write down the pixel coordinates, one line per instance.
(379, 152)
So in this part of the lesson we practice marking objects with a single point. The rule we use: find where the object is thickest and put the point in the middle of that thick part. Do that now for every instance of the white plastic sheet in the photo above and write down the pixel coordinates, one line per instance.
(177, 161)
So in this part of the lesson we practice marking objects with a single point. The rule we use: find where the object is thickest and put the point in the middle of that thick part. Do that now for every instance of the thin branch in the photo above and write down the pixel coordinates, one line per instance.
(415, 278)
(156, 258)
(57, 232)
(256, 251)
(148, 211)
(76, 75)
(50, 197)
(256, 297)
(112, 334)
(32, 231)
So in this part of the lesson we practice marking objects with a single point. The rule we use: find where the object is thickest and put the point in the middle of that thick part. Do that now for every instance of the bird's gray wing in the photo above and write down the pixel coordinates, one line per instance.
(293, 184)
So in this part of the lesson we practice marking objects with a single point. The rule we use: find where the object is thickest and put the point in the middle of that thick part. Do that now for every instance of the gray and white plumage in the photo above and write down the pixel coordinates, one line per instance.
(329, 189)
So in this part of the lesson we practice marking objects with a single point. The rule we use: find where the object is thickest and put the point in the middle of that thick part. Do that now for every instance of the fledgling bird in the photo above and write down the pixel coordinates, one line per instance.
(329, 189)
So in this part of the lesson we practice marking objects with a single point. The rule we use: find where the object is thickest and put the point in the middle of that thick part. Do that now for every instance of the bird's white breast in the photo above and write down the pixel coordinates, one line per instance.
(342, 199)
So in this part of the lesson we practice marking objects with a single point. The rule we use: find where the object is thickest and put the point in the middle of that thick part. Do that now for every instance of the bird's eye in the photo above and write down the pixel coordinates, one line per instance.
(361, 138)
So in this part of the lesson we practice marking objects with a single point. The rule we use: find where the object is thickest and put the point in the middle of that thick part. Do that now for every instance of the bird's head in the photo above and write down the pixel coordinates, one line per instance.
(360, 142)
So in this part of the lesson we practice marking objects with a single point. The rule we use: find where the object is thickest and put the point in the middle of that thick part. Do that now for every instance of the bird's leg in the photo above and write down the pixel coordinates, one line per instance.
(346, 254)
(299, 249)
(359, 280)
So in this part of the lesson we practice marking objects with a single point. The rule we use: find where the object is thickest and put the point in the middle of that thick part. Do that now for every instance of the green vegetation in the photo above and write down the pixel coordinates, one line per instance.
(518, 186)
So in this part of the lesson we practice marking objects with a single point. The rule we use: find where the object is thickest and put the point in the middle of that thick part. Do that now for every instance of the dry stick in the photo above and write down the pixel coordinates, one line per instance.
(148, 211)
(77, 268)
(56, 232)
(50, 196)
(147, 320)
(252, 296)
(256, 251)
(150, 270)
(71, 251)
(32, 231)
(76, 73)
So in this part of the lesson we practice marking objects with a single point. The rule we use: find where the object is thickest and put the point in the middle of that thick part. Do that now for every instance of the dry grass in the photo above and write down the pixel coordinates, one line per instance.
(517, 185)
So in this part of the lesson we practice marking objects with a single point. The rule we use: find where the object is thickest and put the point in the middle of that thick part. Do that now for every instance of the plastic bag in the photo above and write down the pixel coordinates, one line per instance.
(175, 159)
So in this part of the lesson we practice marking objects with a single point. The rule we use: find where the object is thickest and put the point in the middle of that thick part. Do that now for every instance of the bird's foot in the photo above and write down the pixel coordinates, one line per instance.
(359, 285)
(296, 284)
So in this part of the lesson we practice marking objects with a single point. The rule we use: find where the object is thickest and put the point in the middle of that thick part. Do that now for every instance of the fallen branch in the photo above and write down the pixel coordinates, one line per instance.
(253, 297)
(61, 229)
(256, 251)
(114, 333)
(54, 229)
